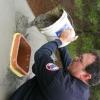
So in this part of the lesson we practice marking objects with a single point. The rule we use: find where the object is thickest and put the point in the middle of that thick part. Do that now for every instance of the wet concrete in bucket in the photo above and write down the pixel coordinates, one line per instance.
(47, 19)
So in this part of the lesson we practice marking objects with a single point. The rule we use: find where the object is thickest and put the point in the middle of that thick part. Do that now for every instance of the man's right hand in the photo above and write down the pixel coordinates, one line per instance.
(68, 36)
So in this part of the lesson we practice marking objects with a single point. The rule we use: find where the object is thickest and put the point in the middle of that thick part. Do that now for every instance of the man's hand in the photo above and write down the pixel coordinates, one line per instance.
(68, 36)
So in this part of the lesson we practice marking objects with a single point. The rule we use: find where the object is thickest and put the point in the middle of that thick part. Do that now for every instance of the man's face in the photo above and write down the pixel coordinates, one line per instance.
(79, 63)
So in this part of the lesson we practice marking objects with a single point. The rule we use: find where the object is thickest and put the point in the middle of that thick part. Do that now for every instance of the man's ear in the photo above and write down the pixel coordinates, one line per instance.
(85, 76)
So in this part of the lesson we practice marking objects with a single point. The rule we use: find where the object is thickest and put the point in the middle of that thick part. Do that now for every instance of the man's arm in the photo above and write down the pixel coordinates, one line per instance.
(65, 57)
(44, 68)
(49, 47)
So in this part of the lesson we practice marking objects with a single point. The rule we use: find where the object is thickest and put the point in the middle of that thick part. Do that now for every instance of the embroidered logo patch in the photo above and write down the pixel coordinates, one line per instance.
(52, 67)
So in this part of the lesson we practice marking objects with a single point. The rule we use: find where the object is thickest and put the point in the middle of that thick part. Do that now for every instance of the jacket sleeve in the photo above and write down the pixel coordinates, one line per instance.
(65, 57)
(44, 68)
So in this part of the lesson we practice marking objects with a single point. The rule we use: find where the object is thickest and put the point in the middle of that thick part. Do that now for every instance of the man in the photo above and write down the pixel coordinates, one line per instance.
(53, 83)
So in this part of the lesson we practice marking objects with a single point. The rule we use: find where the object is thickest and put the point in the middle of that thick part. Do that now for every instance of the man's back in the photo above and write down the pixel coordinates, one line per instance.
(28, 91)
(67, 89)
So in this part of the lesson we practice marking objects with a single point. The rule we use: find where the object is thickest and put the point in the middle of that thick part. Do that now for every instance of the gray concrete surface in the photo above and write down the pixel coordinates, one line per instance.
(36, 40)
(8, 10)
(7, 28)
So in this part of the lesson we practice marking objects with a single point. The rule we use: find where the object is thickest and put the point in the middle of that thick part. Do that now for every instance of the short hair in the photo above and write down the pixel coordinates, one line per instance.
(94, 69)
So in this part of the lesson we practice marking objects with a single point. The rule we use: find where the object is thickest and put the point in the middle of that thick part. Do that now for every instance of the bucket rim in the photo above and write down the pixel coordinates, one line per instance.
(64, 13)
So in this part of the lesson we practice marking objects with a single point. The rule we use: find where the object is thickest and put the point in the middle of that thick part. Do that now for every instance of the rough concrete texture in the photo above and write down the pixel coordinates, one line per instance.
(9, 82)
(7, 28)
(48, 18)
(23, 7)
(21, 23)
(36, 40)
(34, 37)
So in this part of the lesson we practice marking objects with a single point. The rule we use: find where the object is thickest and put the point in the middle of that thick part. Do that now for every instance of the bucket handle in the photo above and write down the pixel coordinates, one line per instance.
(71, 20)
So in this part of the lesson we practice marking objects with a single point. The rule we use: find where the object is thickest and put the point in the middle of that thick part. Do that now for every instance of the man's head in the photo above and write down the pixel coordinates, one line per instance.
(86, 67)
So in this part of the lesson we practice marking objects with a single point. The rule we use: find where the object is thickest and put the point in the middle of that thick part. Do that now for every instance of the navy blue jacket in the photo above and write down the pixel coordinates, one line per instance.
(52, 82)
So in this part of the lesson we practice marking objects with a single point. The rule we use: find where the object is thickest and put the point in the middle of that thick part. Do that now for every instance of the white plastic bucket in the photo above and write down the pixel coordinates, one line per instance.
(53, 31)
